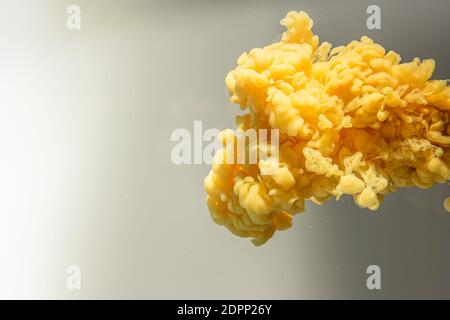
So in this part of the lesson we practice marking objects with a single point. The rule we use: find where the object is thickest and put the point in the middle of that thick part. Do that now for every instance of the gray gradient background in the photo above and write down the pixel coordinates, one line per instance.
(86, 176)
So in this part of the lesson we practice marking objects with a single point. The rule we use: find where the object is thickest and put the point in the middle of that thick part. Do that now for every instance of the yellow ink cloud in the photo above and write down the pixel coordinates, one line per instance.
(352, 120)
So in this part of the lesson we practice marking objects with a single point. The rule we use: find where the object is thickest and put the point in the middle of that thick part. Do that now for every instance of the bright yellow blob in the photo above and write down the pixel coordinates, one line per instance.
(352, 120)
(447, 204)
